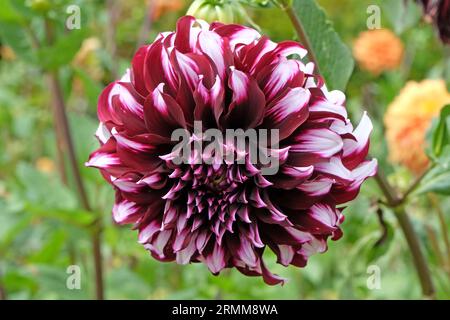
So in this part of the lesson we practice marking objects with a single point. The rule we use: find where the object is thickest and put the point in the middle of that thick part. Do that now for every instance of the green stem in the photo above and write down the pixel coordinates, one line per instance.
(64, 130)
(431, 234)
(389, 193)
(113, 11)
(303, 37)
(61, 116)
(2, 293)
(420, 263)
(443, 225)
(416, 252)
(146, 25)
(416, 183)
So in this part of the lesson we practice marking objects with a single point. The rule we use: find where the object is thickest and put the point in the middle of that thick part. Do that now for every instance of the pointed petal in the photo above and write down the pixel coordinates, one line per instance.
(247, 107)
(317, 142)
(162, 113)
(216, 259)
(355, 151)
(287, 112)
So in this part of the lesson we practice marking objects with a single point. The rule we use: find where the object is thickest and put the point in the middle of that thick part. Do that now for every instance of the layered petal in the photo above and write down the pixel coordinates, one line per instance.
(227, 201)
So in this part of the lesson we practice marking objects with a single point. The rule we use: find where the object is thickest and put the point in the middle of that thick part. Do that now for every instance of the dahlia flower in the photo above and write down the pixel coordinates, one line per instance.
(408, 118)
(226, 214)
(438, 12)
(378, 50)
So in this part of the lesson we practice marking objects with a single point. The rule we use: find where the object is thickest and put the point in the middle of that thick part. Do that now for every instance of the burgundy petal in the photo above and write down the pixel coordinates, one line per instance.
(221, 206)
(162, 113)
(287, 112)
(247, 105)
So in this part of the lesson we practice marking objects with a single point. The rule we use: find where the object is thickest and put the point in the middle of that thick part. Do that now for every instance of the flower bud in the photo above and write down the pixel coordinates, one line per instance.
(225, 11)
(41, 6)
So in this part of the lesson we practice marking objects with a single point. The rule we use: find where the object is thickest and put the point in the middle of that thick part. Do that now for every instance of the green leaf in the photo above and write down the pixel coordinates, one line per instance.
(92, 87)
(402, 14)
(382, 244)
(441, 132)
(54, 195)
(76, 217)
(19, 279)
(334, 57)
(124, 283)
(62, 52)
(15, 36)
(52, 281)
(9, 14)
(8, 237)
(51, 249)
(436, 180)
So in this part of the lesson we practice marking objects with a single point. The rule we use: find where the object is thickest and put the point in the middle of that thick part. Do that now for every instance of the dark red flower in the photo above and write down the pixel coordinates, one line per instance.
(226, 214)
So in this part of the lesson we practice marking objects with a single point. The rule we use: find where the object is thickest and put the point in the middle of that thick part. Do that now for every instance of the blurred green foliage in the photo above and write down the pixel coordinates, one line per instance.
(43, 228)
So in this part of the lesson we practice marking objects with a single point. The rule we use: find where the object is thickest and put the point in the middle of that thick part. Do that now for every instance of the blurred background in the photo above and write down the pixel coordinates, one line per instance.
(45, 228)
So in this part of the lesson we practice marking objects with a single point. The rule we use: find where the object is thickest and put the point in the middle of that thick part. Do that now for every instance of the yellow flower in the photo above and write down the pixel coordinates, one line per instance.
(45, 165)
(7, 53)
(408, 118)
(88, 46)
(87, 60)
(378, 50)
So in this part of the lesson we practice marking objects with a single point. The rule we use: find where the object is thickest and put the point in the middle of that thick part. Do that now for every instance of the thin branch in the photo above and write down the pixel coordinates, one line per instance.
(61, 118)
(419, 259)
(431, 234)
(60, 148)
(416, 252)
(59, 145)
(300, 30)
(3, 293)
(63, 125)
(146, 25)
(443, 225)
(416, 183)
(60, 110)
(113, 10)
(384, 227)
(389, 193)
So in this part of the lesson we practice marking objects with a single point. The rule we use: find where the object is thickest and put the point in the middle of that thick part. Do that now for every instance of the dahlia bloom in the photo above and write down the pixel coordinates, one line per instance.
(226, 214)
(438, 12)
(378, 50)
(408, 118)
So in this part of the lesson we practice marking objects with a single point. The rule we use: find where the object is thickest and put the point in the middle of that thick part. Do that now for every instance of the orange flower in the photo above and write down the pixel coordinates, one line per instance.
(159, 7)
(88, 61)
(378, 50)
(45, 165)
(408, 118)
(7, 53)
